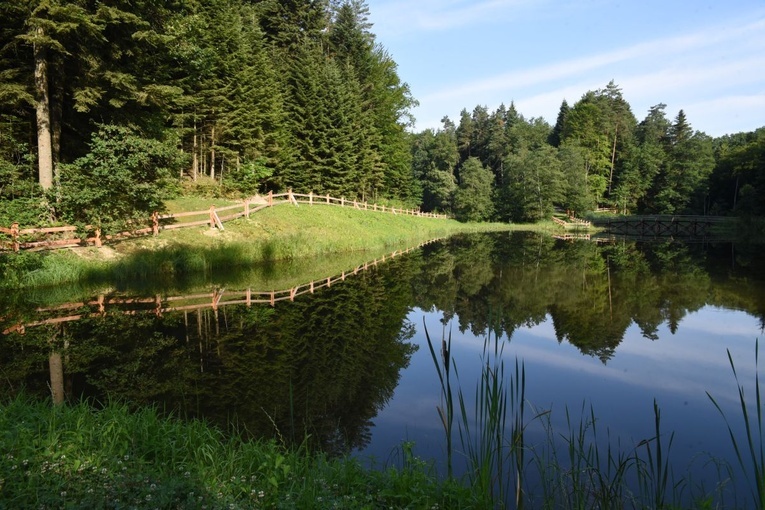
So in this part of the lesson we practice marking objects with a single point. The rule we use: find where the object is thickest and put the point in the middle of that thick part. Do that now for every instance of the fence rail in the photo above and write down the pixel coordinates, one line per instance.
(573, 223)
(16, 239)
(68, 312)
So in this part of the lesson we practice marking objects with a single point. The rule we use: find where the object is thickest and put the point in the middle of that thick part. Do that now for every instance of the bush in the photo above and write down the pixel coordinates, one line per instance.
(248, 178)
(124, 177)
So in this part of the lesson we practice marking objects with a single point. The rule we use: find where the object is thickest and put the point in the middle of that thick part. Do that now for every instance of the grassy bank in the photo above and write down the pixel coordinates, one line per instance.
(279, 233)
(77, 457)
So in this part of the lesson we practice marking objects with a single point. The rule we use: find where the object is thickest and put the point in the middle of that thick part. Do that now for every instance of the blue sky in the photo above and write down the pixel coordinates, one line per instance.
(704, 57)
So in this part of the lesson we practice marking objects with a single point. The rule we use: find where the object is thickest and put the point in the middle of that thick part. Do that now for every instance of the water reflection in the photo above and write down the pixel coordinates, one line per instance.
(327, 364)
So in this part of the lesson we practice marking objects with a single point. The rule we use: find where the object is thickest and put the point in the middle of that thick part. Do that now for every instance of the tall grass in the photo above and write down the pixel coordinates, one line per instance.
(495, 461)
(750, 451)
(577, 469)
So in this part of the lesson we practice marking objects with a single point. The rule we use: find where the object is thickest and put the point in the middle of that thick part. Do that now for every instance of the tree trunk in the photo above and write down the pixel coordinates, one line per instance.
(212, 153)
(613, 162)
(56, 98)
(42, 107)
(195, 155)
(56, 366)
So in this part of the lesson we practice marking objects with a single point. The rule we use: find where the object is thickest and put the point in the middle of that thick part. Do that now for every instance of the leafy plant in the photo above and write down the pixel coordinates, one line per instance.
(124, 177)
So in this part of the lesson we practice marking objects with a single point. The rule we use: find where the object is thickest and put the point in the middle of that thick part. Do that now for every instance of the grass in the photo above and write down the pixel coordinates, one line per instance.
(285, 232)
(78, 457)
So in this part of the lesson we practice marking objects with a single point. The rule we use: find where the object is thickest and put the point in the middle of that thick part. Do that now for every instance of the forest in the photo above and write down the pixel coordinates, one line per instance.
(109, 107)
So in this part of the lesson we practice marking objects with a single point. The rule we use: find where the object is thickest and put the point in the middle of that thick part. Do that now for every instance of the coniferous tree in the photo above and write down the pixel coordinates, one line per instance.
(434, 160)
(473, 196)
(291, 23)
(636, 186)
(557, 132)
(325, 127)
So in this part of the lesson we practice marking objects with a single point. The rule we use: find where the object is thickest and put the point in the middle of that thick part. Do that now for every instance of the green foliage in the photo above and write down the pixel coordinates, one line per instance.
(533, 184)
(605, 159)
(434, 161)
(248, 178)
(124, 177)
(80, 457)
(473, 199)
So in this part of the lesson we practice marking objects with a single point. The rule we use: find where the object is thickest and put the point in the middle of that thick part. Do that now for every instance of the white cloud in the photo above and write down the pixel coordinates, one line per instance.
(438, 15)
(674, 70)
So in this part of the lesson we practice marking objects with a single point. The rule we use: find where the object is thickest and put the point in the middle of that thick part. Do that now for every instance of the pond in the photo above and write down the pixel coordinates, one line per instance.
(601, 330)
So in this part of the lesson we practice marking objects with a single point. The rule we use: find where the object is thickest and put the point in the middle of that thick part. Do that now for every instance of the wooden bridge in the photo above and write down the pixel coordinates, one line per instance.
(213, 300)
(661, 225)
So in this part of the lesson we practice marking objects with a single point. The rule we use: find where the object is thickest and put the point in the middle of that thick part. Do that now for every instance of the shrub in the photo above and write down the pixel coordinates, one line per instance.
(124, 177)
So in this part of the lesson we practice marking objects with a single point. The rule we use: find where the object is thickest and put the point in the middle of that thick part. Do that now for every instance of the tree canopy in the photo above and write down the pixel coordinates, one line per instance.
(597, 155)
(269, 95)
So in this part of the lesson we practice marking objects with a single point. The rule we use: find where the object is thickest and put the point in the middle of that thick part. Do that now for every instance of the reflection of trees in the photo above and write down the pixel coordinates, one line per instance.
(322, 366)
(325, 364)
(591, 292)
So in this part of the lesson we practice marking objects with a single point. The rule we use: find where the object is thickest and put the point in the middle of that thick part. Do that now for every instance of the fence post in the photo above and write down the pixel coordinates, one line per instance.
(155, 223)
(212, 216)
(15, 236)
(246, 207)
(270, 198)
(98, 237)
(310, 198)
(342, 201)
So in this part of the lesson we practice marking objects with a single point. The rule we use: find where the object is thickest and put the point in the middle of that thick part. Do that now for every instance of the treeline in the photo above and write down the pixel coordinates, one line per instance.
(110, 104)
(500, 165)
(107, 108)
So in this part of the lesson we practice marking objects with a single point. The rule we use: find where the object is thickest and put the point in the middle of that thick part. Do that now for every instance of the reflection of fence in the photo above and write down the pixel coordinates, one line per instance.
(572, 237)
(213, 300)
(16, 239)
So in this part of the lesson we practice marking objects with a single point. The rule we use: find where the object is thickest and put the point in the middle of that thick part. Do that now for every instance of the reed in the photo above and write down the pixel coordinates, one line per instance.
(495, 460)
(750, 451)
(654, 473)
(446, 407)
(577, 469)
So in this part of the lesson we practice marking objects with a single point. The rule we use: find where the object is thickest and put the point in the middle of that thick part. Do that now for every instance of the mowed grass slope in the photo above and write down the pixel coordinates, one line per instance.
(282, 232)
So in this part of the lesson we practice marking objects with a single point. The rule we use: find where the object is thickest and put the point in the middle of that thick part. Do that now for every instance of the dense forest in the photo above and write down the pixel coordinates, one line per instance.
(500, 165)
(109, 107)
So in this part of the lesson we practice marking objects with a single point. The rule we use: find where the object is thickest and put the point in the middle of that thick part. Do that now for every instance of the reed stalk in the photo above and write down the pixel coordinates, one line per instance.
(751, 453)
(446, 406)
(492, 432)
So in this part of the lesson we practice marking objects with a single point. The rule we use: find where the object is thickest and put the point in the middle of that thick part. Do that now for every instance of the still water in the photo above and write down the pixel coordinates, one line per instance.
(601, 329)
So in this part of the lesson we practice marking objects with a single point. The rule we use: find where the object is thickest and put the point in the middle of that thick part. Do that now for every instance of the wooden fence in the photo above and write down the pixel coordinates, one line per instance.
(15, 238)
(212, 300)
(573, 223)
